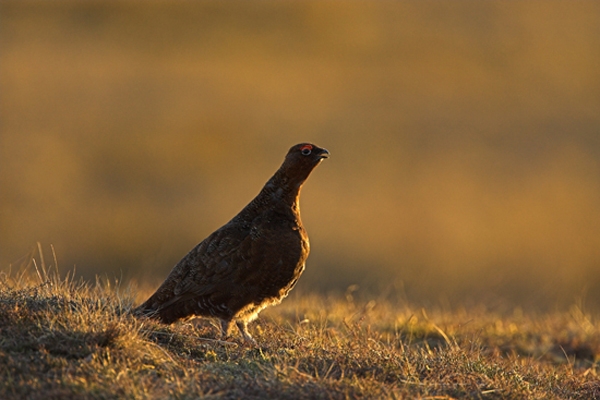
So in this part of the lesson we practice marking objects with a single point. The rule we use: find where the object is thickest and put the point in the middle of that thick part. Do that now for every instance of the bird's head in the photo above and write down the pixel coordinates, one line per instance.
(299, 162)
(306, 154)
(301, 159)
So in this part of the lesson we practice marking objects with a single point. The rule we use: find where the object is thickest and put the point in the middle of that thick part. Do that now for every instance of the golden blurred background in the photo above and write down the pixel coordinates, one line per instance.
(465, 139)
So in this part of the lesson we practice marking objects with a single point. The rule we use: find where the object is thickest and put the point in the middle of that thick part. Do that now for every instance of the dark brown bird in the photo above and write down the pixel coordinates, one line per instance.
(251, 262)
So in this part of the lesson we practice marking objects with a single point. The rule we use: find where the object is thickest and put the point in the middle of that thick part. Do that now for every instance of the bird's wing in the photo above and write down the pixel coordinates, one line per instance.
(211, 265)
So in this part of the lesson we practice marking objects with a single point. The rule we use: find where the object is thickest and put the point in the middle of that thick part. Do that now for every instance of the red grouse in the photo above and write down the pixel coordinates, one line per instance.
(251, 262)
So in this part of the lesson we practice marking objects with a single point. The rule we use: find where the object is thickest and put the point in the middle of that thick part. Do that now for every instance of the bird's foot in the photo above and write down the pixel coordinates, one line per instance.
(243, 327)
(225, 329)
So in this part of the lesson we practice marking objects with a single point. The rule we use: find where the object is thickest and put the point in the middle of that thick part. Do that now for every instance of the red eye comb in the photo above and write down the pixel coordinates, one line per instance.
(306, 146)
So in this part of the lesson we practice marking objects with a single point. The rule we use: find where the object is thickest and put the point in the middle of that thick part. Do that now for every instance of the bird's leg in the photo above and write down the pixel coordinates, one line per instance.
(225, 324)
(243, 327)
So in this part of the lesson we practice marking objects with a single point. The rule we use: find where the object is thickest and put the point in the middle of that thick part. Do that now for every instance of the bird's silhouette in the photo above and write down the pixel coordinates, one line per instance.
(249, 263)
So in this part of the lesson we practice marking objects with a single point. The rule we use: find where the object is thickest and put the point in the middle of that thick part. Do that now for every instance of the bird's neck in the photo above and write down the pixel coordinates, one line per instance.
(282, 190)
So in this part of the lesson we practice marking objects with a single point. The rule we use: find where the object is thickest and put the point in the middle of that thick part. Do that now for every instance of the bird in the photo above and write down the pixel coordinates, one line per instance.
(248, 264)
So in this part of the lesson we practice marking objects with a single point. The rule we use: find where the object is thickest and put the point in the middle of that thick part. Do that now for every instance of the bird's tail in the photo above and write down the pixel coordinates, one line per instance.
(165, 314)
(144, 310)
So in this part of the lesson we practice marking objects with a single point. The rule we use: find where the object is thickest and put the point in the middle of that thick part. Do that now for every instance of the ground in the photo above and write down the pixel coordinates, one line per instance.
(62, 338)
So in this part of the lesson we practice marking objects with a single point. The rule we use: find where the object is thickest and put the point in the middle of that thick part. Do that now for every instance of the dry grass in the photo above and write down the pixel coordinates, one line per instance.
(64, 339)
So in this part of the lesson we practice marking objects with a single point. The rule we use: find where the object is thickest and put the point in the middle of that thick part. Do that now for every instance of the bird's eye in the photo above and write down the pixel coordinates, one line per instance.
(305, 150)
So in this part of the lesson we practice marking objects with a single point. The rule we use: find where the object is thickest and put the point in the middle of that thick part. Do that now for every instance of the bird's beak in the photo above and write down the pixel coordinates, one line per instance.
(324, 154)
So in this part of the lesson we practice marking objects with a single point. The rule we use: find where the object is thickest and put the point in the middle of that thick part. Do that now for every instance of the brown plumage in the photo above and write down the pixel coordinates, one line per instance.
(251, 262)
